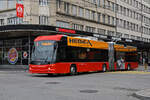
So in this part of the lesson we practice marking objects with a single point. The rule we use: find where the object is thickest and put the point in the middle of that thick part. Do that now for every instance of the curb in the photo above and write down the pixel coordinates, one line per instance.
(143, 94)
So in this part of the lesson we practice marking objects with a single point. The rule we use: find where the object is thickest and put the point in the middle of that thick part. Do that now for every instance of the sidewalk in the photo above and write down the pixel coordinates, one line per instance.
(142, 68)
(13, 67)
(143, 94)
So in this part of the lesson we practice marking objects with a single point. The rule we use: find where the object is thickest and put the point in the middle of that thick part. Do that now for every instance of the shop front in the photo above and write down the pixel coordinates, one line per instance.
(15, 51)
(16, 43)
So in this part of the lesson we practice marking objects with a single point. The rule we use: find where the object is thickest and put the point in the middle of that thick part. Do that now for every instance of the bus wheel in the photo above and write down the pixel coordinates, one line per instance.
(104, 68)
(73, 70)
(128, 67)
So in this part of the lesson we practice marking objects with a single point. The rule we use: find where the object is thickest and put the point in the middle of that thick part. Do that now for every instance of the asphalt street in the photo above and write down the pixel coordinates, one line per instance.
(88, 86)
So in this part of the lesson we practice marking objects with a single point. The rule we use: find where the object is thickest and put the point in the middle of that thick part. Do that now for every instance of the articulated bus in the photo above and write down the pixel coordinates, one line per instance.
(59, 54)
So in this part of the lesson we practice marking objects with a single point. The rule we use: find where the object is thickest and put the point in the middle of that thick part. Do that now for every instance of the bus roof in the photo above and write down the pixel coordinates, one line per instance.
(50, 37)
(124, 49)
(87, 43)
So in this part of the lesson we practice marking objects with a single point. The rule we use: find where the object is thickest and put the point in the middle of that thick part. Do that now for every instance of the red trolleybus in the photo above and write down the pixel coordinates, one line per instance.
(65, 54)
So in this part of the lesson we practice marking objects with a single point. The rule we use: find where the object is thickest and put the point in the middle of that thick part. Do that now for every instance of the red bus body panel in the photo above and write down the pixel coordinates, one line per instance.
(81, 67)
(133, 65)
(65, 67)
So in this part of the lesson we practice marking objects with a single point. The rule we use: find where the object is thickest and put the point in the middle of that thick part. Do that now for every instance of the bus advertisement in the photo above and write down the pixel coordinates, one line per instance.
(59, 54)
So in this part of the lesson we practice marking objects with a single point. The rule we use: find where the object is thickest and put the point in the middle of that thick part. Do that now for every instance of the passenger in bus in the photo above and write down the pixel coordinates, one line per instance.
(120, 63)
(82, 55)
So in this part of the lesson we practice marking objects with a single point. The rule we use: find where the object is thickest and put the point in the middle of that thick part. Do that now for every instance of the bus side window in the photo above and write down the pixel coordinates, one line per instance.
(82, 55)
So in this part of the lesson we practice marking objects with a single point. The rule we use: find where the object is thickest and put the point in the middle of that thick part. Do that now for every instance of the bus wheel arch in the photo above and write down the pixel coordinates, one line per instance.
(73, 69)
(104, 67)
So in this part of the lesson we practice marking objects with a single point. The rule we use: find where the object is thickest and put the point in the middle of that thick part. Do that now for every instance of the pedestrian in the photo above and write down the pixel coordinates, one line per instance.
(146, 63)
(143, 61)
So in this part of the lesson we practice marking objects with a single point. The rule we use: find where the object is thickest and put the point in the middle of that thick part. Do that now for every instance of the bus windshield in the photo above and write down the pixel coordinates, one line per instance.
(44, 52)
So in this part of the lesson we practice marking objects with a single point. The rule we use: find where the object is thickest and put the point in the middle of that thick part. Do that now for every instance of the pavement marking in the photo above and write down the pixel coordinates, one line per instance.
(129, 72)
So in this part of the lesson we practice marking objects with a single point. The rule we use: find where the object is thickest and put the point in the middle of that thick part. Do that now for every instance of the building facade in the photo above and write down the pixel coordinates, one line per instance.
(121, 18)
(87, 15)
(133, 22)
(116, 18)
(133, 19)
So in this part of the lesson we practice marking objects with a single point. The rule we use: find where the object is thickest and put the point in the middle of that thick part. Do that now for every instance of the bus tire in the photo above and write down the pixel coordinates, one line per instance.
(104, 68)
(128, 67)
(73, 70)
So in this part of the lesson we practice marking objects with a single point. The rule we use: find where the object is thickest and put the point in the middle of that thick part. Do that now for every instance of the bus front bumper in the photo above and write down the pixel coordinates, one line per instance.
(43, 69)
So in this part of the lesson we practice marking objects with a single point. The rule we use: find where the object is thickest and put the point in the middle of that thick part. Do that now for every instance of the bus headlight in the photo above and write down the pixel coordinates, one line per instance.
(52, 65)
(49, 68)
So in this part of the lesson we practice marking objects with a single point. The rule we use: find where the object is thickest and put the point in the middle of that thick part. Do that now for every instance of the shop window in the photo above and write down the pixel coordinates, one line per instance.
(14, 52)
